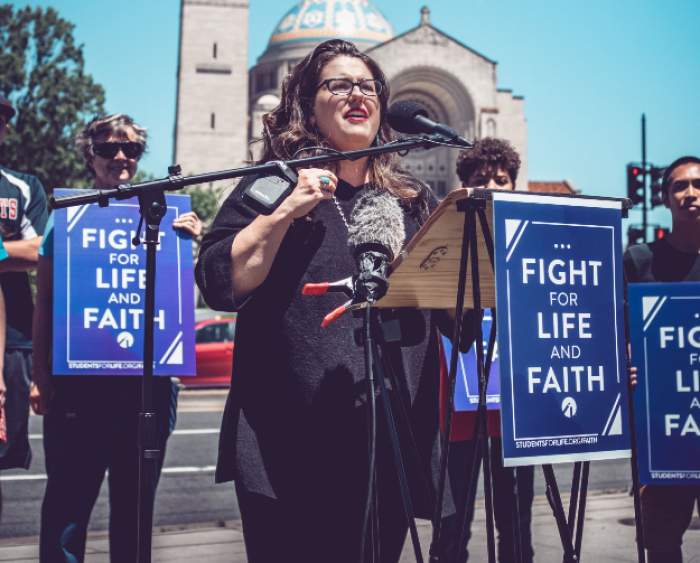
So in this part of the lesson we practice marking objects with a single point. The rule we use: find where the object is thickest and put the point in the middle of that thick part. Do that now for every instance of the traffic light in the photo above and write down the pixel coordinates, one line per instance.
(635, 183)
(660, 232)
(635, 235)
(656, 174)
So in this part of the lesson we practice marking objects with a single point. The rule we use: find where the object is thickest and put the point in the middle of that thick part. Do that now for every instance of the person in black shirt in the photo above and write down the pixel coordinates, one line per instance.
(23, 216)
(492, 164)
(667, 509)
(294, 430)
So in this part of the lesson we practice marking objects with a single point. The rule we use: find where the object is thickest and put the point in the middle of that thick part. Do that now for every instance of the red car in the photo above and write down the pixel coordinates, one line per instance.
(214, 353)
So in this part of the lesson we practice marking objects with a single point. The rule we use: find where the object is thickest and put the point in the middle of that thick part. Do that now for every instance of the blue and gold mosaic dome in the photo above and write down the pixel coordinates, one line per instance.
(318, 20)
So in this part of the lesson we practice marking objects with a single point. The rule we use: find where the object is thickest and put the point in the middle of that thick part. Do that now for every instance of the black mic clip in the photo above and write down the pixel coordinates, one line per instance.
(371, 283)
(367, 286)
(403, 326)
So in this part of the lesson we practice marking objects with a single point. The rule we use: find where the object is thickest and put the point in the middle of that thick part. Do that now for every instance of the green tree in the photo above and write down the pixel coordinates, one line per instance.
(205, 203)
(142, 176)
(204, 200)
(42, 73)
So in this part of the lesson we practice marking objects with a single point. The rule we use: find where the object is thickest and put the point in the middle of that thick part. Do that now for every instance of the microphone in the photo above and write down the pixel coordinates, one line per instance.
(409, 117)
(376, 236)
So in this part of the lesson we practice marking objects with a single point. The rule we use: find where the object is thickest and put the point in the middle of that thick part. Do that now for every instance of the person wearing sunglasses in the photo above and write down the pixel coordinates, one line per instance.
(294, 434)
(91, 422)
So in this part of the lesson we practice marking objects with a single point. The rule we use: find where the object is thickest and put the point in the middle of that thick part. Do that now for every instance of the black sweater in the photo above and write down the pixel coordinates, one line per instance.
(658, 261)
(295, 410)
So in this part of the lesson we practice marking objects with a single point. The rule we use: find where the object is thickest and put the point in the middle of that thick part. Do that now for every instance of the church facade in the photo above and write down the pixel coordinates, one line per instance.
(221, 102)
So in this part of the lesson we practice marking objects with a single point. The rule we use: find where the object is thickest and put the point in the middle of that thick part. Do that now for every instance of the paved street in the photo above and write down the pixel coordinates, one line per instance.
(608, 538)
(187, 493)
(193, 511)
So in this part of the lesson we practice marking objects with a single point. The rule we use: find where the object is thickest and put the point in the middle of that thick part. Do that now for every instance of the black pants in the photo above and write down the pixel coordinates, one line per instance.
(320, 519)
(91, 427)
(459, 465)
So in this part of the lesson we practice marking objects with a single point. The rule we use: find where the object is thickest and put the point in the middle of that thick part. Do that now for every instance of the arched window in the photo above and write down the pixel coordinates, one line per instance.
(491, 128)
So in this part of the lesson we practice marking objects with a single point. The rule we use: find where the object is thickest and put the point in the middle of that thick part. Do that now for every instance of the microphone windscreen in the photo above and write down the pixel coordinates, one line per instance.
(401, 115)
(377, 218)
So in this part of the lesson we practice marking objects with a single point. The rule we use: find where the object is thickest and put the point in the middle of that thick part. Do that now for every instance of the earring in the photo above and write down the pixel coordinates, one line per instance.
(316, 132)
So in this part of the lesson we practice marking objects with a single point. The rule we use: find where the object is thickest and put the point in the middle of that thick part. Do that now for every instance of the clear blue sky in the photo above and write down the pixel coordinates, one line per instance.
(588, 69)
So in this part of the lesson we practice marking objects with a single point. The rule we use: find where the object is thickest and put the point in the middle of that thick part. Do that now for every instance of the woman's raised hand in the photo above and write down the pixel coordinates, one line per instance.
(314, 186)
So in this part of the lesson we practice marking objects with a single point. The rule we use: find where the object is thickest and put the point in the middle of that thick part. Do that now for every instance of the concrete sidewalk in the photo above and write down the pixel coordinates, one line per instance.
(609, 536)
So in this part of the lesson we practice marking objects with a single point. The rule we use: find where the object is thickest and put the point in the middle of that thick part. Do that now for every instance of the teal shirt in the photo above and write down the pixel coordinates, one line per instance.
(46, 248)
(3, 252)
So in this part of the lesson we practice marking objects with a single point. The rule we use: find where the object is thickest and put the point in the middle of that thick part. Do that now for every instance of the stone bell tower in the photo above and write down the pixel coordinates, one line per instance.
(211, 122)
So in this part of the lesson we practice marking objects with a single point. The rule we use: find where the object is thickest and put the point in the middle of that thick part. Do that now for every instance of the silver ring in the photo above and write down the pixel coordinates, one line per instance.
(325, 182)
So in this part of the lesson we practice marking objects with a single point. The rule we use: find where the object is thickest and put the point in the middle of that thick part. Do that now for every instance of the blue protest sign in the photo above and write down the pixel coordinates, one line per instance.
(467, 387)
(561, 329)
(665, 340)
(99, 282)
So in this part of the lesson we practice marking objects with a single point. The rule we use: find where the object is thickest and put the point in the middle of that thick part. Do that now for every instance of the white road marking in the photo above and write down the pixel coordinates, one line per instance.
(176, 433)
(166, 470)
(204, 469)
(198, 431)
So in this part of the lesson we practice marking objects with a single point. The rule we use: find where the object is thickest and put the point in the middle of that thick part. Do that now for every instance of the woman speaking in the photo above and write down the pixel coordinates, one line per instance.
(294, 434)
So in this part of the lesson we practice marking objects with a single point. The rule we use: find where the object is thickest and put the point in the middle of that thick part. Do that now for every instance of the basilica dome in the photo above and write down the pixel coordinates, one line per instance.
(319, 20)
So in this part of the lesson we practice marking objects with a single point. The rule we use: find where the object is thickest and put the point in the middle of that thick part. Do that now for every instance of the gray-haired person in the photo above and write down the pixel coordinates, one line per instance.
(91, 422)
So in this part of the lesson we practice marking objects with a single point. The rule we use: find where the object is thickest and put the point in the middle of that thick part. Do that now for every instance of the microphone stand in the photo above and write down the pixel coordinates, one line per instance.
(152, 207)
(176, 181)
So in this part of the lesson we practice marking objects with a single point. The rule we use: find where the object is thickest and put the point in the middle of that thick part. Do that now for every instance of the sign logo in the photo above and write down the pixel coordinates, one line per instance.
(125, 339)
(568, 406)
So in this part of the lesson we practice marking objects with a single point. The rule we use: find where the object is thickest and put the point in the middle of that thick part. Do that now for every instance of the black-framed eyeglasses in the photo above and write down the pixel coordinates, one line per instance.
(344, 86)
(110, 149)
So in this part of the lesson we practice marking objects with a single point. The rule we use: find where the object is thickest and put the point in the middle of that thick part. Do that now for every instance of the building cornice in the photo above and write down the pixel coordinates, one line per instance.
(219, 3)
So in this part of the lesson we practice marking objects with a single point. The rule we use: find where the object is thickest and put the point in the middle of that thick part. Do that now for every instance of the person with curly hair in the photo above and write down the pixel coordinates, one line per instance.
(492, 164)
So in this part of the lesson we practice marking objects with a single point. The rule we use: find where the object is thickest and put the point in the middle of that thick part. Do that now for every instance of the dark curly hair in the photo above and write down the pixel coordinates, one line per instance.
(288, 127)
(495, 152)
